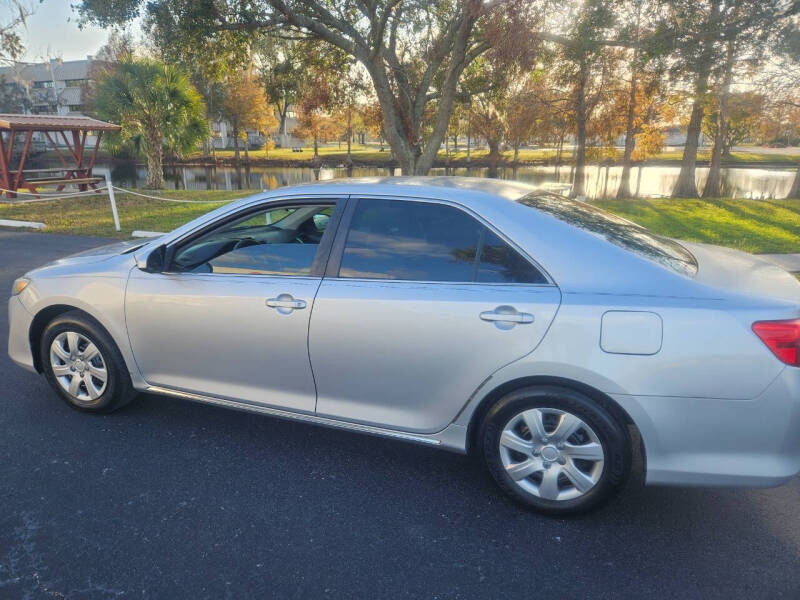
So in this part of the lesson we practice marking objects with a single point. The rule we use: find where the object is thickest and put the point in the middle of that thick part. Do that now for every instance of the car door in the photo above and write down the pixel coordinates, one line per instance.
(229, 315)
(421, 303)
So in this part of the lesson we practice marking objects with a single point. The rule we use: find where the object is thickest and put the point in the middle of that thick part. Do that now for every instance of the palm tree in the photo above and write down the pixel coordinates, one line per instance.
(158, 108)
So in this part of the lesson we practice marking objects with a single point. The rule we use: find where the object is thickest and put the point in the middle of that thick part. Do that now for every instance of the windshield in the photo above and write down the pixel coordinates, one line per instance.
(616, 230)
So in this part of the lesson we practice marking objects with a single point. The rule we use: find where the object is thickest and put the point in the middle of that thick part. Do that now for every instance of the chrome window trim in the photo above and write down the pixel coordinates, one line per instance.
(425, 282)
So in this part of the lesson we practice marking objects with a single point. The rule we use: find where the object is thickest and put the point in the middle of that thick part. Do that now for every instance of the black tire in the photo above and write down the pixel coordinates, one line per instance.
(612, 435)
(118, 389)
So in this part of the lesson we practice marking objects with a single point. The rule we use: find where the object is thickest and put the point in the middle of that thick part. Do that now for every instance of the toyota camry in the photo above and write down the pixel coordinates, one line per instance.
(535, 332)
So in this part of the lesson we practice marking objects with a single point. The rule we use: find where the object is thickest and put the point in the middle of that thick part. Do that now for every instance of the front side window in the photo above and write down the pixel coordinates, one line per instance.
(424, 241)
(278, 241)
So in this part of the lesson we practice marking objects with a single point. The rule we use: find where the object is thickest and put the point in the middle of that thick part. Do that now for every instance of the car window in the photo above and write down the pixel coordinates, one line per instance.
(425, 241)
(500, 263)
(616, 230)
(280, 241)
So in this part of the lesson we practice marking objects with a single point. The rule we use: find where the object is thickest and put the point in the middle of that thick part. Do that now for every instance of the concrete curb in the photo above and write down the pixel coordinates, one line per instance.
(146, 234)
(25, 224)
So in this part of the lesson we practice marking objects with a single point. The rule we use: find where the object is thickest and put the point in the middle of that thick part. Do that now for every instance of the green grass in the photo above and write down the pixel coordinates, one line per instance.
(749, 225)
(92, 215)
(327, 153)
(372, 154)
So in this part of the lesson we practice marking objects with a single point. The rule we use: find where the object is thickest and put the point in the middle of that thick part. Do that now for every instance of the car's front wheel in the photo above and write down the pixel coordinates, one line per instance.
(555, 449)
(83, 365)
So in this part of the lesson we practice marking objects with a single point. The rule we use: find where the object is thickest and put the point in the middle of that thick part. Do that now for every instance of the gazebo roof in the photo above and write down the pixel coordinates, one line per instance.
(53, 123)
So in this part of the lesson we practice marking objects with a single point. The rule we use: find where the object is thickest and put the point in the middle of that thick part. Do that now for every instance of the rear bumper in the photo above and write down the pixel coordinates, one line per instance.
(702, 441)
(19, 324)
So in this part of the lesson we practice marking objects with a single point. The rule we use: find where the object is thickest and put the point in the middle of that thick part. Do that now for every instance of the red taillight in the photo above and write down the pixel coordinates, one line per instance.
(782, 337)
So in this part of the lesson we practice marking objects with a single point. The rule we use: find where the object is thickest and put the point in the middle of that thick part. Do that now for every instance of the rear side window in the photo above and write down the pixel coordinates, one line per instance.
(424, 241)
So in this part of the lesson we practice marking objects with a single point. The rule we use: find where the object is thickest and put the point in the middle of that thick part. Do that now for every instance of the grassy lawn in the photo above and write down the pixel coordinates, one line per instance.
(372, 154)
(92, 215)
(749, 225)
(327, 153)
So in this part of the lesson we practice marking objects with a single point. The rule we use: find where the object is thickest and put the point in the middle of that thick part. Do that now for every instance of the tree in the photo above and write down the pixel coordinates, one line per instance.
(646, 67)
(584, 67)
(527, 114)
(282, 65)
(490, 124)
(14, 97)
(744, 115)
(782, 81)
(11, 46)
(158, 108)
(314, 121)
(705, 41)
(747, 29)
(414, 51)
(372, 116)
(246, 106)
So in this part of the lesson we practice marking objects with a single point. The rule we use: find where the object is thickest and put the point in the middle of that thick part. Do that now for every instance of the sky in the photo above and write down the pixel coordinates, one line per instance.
(53, 31)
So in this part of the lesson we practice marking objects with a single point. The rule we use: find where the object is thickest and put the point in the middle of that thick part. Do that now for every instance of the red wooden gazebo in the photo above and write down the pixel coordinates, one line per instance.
(77, 171)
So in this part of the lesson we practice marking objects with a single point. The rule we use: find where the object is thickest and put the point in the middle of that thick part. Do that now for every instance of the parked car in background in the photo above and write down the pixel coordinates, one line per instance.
(479, 316)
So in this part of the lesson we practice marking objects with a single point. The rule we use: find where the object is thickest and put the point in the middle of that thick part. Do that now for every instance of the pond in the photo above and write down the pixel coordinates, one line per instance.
(652, 181)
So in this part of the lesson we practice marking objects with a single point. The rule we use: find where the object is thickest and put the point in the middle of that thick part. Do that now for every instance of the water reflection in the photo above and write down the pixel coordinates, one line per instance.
(601, 181)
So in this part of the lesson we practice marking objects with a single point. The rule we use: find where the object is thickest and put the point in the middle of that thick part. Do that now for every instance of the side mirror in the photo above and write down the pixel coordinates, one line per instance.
(156, 260)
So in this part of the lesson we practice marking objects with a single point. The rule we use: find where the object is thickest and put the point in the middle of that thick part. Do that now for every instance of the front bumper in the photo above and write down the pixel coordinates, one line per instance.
(704, 441)
(19, 324)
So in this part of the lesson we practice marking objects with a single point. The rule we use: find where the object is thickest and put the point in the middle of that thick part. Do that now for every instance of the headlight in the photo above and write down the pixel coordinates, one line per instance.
(19, 285)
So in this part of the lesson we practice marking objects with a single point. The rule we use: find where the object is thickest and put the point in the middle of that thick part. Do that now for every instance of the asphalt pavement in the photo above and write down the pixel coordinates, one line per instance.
(172, 499)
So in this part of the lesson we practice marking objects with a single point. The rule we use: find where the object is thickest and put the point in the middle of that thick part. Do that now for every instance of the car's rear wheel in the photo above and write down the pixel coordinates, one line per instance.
(83, 365)
(555, 449)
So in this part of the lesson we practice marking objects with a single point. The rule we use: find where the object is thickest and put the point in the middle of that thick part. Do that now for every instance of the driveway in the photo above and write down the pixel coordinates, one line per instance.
(172, 499)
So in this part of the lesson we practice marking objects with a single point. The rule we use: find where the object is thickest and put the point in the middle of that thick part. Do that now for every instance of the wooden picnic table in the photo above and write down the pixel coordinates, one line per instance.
(77, 171)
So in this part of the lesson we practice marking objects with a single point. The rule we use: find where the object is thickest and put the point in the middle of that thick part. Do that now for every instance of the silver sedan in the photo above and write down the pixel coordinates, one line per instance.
(538, 333)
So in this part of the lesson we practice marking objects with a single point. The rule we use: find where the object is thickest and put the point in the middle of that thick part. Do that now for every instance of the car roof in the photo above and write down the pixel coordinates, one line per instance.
(440, 187)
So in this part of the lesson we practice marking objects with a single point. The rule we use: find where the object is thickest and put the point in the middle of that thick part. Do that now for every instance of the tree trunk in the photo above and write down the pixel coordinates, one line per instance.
(469, 137)
(713, 187)
(282, 112)
(794, 192)
(516, 153)
(349, 134)
(579, 186)
(624, 190)
(246, 150)
(236, 143)
(155, 170)
(686, 187)
(316, 147)
(639, 181)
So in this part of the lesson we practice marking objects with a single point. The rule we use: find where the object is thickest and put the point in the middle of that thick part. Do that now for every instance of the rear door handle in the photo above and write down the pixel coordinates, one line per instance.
(517, 318)
(505, 316)
(286, 303)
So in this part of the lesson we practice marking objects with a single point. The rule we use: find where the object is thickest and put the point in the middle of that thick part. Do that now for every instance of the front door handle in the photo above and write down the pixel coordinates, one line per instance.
(285, 303)
(505, 317)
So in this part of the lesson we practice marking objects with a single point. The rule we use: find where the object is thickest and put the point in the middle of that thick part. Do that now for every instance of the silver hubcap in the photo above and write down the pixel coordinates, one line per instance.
(551, 453)
(78, 366)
